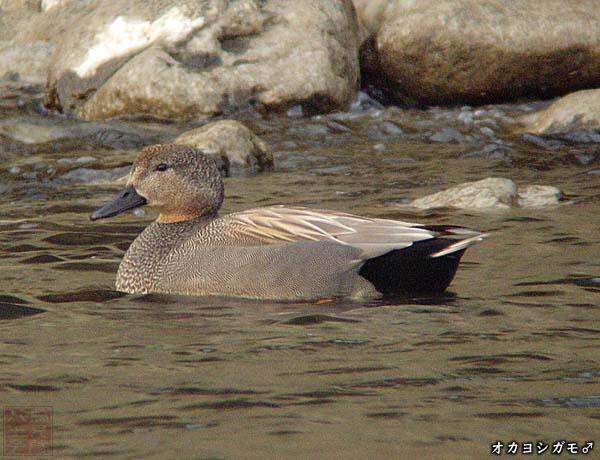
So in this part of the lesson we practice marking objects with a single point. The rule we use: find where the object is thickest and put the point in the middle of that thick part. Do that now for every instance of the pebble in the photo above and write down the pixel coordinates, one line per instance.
(448, 135)
(28, 226)
(581, 137)
(487, 131)
(493, 151)
(584, 159)
(364, 102)
(118, 140)
(541, 142)
(78, 160)
(338, 127)
(295, 111)
(466, 117)
(310, 129)
(391, 129)
(89, 175)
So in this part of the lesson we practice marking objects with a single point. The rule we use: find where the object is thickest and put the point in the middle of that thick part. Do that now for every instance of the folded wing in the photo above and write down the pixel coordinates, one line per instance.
(374, 237)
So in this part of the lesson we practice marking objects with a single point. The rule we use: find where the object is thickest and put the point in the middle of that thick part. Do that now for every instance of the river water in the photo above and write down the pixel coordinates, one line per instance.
(509, 353)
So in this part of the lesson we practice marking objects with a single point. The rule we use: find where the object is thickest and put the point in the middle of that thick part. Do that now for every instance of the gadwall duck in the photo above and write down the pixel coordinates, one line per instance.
(275, 252)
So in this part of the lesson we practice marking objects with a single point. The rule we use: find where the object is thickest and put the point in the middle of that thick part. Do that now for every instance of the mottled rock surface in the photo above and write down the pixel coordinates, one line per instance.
(493, 192)
(579, 111)
(371, 14)
(190, 59)
(29, 63)
(29, 59)
(538, 196)
(471, 51)
(236, 147)
(13, 13)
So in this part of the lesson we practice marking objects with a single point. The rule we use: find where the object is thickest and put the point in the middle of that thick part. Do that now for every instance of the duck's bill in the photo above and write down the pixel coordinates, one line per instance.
(126, 200)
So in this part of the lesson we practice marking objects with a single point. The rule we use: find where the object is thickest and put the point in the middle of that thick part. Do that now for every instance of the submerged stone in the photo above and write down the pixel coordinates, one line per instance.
(493, 192)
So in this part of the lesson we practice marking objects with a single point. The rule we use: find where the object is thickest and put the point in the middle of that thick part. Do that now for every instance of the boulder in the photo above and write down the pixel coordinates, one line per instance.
(370, 14)
(575, 112)
(28, 59)
(196, 58)
(13, 13)
(27, 62)
(480, 51)
(493, 192)
(236, 147)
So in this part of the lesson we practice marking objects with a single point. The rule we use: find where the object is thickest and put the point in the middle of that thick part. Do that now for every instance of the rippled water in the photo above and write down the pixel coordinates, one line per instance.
(509, 353)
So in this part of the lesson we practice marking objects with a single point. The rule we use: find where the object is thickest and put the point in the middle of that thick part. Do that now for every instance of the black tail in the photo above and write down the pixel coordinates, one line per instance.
(412, 270)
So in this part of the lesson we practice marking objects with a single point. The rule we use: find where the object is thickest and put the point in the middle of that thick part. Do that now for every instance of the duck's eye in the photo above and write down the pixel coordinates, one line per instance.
(162, 167)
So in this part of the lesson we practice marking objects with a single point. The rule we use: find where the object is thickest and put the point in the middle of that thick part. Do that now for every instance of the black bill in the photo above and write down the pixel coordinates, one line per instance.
(127, 199)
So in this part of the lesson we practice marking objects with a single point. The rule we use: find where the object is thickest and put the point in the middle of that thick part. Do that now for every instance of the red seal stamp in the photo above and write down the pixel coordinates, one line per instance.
(27, 430)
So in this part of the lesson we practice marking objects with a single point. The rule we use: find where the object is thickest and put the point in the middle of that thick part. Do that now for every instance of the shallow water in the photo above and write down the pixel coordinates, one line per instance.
(510, 352)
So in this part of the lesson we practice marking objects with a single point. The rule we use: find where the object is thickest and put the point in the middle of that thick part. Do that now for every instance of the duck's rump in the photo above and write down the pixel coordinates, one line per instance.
(414, 269)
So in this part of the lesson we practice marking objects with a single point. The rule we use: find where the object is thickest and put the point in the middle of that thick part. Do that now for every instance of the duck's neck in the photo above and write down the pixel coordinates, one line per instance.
(142, 266)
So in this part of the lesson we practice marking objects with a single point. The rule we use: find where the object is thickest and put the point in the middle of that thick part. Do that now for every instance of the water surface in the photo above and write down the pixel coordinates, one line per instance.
(510, 352)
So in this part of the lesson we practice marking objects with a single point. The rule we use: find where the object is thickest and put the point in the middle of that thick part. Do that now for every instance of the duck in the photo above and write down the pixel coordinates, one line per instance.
(286, 253)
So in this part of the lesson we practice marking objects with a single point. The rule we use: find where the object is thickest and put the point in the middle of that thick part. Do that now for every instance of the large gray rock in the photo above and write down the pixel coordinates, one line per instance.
(27, 59)
(13, 13)
(579, 111)
(234, 145)
(470, 51)
(371, 13)
(196, 58)
(29, 62)
(493, 192)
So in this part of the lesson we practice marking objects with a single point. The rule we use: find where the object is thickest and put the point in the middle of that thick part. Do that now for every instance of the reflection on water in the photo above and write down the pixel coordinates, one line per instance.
(510, 353)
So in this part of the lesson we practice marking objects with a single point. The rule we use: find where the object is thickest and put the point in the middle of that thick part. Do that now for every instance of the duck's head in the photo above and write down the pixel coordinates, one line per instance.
(181, 182)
